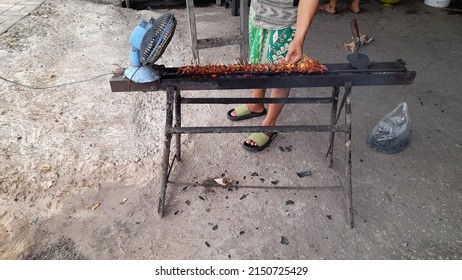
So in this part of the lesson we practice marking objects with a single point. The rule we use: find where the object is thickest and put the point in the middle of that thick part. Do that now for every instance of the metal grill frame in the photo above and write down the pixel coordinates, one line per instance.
(338, 76)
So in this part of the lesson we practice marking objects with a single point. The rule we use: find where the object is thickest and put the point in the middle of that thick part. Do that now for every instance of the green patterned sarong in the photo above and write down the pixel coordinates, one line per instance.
(268, 46)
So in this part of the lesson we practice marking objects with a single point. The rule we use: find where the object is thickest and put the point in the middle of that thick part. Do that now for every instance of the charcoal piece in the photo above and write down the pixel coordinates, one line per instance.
(207, 244)
(241, 232)
(284, 240)
(188, 202)
(201, 197)
(281, 148)
(304, 174)
(243, 196)
(329, 217)
(215, 227)
(254, 174)
(275, 182)
(289, 202)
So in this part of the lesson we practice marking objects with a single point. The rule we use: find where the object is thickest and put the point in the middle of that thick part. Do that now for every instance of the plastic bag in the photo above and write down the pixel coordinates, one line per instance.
(391, 134)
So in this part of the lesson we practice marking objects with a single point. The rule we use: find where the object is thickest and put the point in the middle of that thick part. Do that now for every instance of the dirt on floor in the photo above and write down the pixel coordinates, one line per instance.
(58, 142)
(80, 165)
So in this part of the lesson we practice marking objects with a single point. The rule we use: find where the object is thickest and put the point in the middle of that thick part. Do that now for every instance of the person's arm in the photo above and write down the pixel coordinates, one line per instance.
(305, 14)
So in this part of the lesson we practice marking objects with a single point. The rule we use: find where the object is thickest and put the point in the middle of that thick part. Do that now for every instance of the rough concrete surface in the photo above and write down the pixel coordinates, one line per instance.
(80, 165)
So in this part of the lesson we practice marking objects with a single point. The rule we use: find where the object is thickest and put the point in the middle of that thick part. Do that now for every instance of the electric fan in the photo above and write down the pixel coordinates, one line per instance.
(149, 40)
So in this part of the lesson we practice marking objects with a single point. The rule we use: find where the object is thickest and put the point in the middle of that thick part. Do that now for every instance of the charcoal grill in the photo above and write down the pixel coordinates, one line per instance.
(338, 76)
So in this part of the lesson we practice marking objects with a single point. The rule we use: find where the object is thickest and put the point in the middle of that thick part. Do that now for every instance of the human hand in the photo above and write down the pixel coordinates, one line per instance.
(295, 52)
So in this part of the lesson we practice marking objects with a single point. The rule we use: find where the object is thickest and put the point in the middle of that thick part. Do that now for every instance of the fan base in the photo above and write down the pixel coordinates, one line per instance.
(142, 74)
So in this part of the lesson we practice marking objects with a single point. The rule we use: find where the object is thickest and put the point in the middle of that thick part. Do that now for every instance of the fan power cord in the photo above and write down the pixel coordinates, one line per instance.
(58, 85)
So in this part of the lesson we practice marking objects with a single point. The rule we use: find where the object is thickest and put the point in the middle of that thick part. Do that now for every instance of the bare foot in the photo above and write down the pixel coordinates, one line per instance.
(354, 8)
(326, 7)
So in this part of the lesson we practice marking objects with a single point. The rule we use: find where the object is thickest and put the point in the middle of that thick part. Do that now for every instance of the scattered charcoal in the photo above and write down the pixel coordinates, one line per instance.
(329, 217)
(361, 160)
(229, 256)
(226, 197)
(230, 189)
(209, 190)
(262, 179)
(215, 227)
(185, 188)
(275, 182)
(201, 197)
(281, 148)
(243, 196)
(315, 196)
(207, 244)
(289, 149)
(241, 232)
(223, 174)
(244, 177)
(188, 202)
(289, 202)
(304, 174)
(176, 212)
(254, 174)
(237, 182)
(284, 240)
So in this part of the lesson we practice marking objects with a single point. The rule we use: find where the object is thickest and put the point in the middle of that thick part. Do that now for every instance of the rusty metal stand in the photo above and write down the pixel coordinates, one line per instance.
(339, 75)
(173, 112)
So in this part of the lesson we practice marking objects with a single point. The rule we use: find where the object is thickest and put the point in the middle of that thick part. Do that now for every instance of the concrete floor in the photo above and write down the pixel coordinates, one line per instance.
(407, 205)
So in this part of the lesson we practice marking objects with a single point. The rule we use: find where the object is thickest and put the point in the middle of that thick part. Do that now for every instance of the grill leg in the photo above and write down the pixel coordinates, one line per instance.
(178, 123)
(333, 115)
(348, 185)
(166, 152)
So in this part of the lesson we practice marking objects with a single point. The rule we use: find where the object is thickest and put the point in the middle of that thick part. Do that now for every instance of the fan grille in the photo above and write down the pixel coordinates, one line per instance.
(157, 38)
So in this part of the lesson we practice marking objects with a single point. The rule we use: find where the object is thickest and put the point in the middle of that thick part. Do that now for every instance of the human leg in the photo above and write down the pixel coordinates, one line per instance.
(274, 109)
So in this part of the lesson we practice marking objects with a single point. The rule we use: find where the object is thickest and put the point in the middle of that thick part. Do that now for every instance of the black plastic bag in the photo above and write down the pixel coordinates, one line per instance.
(391, 134)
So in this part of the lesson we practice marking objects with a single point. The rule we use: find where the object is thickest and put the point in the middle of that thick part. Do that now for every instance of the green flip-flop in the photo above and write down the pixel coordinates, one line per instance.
(243, 113)
(262, 141)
